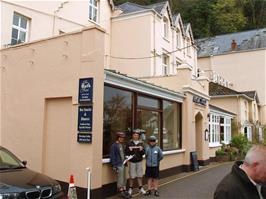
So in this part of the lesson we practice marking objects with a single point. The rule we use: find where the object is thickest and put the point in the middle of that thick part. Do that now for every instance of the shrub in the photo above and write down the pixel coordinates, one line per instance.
(241, 143)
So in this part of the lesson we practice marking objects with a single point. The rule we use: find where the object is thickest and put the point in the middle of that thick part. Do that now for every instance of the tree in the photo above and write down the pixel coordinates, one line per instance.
(228, 17)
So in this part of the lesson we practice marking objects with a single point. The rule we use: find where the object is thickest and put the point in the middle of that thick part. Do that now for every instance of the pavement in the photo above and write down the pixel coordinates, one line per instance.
(190, 185)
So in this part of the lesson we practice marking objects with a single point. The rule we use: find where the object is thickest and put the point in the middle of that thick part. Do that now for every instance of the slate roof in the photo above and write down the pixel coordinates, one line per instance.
(129, 7)
(247, 40)
(220, 109)
(251, 94)
(217, 89)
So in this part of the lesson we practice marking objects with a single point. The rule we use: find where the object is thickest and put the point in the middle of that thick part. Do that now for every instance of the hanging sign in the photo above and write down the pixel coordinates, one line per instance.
(85, 90)
(85, 118)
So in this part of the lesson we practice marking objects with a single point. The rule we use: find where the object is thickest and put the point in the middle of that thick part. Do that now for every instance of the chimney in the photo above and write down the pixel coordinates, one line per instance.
(233, 45)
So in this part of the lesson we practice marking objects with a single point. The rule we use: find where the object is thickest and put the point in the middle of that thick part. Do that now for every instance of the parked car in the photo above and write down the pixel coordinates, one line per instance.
(19, 182)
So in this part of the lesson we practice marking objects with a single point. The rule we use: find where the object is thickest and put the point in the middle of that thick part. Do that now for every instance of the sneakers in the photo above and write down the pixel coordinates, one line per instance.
(130, 190)
(156, 193)
(148, 193)
(142, 191)
(124, 194)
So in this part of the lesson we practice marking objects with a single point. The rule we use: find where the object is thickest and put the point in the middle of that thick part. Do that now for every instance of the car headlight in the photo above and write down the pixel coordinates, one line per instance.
(56, 189)
(9, 195)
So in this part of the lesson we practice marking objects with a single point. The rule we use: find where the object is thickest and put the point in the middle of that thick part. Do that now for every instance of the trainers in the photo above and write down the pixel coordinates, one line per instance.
(142, 191)
(130, 190)
(124, 194)
(156, 193)
(148, 193)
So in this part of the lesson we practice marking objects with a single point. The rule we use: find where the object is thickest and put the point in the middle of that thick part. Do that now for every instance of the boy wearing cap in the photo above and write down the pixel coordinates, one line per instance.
(135, 150)
(153, 157)
(117, 158)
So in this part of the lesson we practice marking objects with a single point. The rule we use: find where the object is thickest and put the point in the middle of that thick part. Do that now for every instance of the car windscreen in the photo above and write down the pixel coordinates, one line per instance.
(9, 161)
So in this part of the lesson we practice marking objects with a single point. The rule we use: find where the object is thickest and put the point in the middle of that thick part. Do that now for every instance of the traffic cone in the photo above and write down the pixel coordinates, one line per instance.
(72, 192)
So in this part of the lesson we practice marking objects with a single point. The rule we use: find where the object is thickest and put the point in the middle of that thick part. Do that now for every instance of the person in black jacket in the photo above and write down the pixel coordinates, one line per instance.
(247, 179)
(135, 151)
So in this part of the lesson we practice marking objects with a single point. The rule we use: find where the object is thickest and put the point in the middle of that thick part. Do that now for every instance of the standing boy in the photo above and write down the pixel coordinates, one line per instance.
(135, 150)
(153, 157)
(117, 158)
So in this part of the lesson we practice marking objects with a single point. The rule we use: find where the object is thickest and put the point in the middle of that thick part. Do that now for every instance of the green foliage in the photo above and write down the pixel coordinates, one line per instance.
(228, 17)
(241, 143)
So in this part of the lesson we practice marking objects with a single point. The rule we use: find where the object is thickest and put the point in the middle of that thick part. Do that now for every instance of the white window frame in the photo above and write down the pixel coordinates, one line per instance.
(177, 39)
(93, 7)
(165, 64)
(19, 28)
(165, 28)
(214, 130)
(227, 130)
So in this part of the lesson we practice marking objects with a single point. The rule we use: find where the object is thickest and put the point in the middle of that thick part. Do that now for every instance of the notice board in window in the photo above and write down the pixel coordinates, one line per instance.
(194, 161)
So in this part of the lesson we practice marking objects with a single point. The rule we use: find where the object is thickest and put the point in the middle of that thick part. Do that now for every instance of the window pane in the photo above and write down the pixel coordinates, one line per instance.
(94, 15)
(90, 12)
(15, 19)
(23, 23)
(150, 122)
(171, 125)
(22, 36)
(94, 2)
(14, 33)
(13, 41)
(148, 102)
(117, 115)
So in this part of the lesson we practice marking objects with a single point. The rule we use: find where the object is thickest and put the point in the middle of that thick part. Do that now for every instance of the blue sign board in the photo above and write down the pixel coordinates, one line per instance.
(84, 138)
(85, 90)
(85, 119)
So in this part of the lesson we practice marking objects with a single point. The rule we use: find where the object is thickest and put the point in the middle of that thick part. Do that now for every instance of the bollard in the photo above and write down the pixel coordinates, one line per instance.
(88, 182)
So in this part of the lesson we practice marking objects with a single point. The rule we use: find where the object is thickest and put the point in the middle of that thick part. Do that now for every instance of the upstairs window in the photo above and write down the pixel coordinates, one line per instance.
(177, 39)
(165, 64)
(165, 27)
(19, 29)
(93, 10)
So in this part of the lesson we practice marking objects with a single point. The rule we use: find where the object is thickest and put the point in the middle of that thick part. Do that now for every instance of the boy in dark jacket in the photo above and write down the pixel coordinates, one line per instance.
(154, 155)
(135, 151)
(117, 158)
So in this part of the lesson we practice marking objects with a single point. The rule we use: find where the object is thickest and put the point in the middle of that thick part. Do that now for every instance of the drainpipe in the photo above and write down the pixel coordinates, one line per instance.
(154, 46)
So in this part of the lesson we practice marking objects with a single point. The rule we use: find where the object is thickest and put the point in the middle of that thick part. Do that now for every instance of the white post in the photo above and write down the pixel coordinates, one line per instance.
(88, 182)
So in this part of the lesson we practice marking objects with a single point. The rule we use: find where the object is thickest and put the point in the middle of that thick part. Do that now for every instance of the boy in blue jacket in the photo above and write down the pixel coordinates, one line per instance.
(117, 158)
(153, 157)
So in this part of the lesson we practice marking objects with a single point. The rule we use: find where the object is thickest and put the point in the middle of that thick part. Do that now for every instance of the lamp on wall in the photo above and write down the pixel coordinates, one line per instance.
(206, 134)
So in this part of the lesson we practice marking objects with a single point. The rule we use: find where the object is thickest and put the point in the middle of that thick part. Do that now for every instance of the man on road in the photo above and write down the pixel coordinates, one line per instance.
(247, 179)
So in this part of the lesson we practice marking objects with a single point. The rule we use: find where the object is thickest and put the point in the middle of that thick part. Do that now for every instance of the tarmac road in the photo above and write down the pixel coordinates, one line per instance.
(199, 185)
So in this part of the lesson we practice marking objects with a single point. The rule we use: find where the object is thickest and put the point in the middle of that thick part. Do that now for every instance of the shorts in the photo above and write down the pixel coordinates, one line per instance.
(152, 172)
(135, 169)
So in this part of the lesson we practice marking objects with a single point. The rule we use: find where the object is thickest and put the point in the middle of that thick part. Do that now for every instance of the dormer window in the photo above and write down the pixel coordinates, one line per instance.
(165, 27)
(93, 10)
(20, 28)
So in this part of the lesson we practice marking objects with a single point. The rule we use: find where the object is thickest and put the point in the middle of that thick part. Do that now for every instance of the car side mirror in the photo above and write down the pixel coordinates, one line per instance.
(24, 162)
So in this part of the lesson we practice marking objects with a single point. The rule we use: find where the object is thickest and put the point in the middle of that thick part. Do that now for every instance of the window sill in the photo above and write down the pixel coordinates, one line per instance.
(166, 39)
(107, 160)
(214, 145)
(94, 22)
(174, 151)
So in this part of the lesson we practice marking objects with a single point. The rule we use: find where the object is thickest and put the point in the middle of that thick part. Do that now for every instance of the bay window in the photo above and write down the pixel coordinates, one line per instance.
(125, 110)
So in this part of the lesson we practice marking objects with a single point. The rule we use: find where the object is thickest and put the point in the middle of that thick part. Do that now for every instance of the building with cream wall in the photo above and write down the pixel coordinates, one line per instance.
(49, 64)
(166, 44)
(237, 60)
